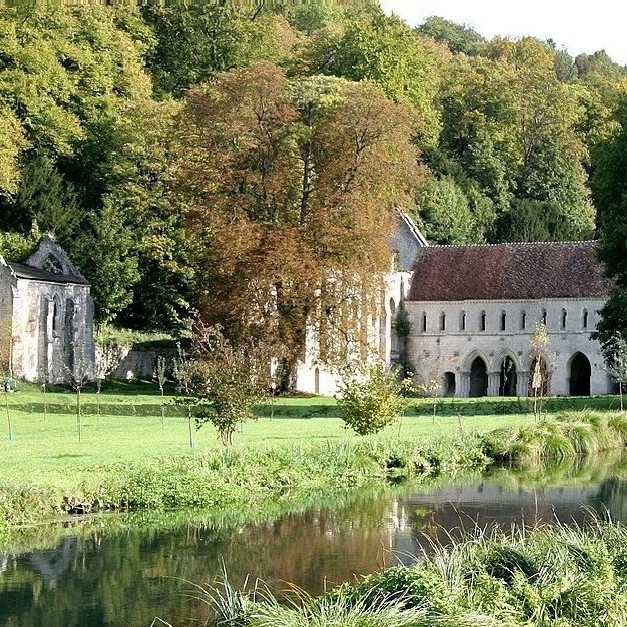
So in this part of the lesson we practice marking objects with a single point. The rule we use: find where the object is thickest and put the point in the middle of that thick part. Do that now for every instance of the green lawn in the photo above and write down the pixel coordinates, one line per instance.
(129, 427)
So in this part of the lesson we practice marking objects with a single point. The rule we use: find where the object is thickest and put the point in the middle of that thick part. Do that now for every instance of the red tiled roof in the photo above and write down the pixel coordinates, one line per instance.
(518, 271)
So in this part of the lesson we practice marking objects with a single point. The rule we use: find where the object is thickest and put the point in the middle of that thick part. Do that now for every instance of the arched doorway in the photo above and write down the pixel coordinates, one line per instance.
(478, 378)
(448, 384)
(508, 378)
(580, 371)
(538, 384)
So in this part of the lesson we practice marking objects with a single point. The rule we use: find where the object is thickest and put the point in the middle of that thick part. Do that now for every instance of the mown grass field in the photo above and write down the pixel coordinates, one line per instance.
(124, 423)
(128, 457)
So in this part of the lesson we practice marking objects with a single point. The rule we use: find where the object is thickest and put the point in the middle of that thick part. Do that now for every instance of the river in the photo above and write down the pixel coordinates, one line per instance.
(129, 573)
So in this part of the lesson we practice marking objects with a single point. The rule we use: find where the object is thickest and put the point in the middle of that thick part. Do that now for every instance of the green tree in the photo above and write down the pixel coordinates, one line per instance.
(221, 381)
(616, 362)
(609, 187)
(196, 41)
(458, 37)
(516, 131)
(445, 212)
(103, 253)
(371, 398)
(598, 68)
(540, 368)
(288, 189)
(369, 45)
(90, 144)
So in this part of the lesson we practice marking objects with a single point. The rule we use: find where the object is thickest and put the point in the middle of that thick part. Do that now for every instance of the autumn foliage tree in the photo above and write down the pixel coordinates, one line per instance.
(288, 188)
(221, 383)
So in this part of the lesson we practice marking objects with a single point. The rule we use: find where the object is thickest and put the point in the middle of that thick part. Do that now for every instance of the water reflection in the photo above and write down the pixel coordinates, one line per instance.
(131, 576)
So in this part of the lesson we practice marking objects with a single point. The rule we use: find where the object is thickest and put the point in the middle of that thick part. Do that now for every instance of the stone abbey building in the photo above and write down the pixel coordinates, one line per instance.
(473, 310)
(46, 317)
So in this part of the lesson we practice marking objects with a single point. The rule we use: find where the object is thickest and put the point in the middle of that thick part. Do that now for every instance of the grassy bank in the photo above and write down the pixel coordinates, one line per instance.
(558, 437)
(228, 477)
(131, 457)
(550, 576)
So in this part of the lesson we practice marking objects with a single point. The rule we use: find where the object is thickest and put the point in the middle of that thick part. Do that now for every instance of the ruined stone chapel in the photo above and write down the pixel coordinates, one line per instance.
(46, 317)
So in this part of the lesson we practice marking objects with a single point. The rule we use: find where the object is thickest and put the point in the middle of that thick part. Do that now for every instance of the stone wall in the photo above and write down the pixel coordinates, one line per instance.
(6, 316)
(140, 363)
(317, 378)
(434, 351)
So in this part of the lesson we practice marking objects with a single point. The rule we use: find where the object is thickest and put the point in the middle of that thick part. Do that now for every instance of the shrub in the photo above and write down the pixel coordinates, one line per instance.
(372, 399)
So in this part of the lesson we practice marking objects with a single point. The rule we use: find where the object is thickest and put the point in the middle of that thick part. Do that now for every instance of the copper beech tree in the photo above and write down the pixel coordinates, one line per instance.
(288, 188)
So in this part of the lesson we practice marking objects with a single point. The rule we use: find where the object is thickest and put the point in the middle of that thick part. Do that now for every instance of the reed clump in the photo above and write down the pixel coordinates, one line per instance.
(546, 577)
(559, 437)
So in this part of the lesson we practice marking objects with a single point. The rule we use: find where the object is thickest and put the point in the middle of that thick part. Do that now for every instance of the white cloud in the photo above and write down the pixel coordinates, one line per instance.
(578, 29)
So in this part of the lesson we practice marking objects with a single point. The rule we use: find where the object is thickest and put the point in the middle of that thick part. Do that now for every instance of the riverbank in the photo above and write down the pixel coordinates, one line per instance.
(134, 459)
(235, 477)
(547, 576)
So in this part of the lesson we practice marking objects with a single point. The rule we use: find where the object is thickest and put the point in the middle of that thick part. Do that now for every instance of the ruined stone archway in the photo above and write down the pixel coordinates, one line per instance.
(478, 378)
(580, 371)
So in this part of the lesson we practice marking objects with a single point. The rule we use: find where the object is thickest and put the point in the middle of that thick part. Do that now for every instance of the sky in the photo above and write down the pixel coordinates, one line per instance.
(576, 26)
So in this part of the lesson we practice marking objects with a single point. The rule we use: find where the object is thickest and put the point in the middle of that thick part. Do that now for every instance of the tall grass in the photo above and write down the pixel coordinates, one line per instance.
(544, 577)
(560, 437)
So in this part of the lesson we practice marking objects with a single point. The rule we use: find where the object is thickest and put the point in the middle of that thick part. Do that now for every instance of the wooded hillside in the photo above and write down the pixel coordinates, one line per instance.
(172, 148)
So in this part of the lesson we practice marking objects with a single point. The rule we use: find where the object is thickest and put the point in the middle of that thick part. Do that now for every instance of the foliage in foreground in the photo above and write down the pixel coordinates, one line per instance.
(563, 436)
(548, 576)
(372, 398)
(222, 381)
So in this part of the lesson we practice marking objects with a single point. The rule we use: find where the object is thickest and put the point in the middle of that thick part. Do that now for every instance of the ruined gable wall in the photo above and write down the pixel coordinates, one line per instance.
(6, 316)
(52, 330)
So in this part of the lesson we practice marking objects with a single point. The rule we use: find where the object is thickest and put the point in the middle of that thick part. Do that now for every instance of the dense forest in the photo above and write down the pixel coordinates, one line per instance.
(140, 136)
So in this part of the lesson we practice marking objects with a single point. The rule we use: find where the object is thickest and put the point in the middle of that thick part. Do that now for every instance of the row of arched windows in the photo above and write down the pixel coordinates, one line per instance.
(505, 323)
(579, 374)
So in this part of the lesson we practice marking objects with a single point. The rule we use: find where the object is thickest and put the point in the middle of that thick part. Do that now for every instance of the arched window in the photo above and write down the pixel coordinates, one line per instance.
(564, 318)
(53, 318)
(52, 264)
(585, 318)
(523, 320)
(462, 321)
(396, 261)
(443, 321)
(482, 321)
(544, 317)
(424, 322)
(503, 320)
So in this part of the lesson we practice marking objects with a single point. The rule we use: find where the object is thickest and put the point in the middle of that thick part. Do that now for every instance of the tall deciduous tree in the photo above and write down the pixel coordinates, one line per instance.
(288, 188)
(369, 45)
(515, 129)
(609, 186)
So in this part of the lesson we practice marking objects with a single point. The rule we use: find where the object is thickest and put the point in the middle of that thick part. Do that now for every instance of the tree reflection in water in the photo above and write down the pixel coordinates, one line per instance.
(129, 576)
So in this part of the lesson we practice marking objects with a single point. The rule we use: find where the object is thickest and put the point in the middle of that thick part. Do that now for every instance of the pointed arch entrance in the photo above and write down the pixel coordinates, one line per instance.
(580, 371)
(478, 378)
(508, 378)
(448, 384)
